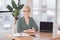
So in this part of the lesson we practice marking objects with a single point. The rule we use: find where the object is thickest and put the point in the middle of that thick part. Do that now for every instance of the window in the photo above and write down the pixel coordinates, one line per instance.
(36, 9)
(3, 4)
(49, 9)
(35, 4)
(6, 18)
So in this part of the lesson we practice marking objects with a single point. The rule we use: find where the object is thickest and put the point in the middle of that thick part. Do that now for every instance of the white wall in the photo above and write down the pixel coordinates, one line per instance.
(58, 12)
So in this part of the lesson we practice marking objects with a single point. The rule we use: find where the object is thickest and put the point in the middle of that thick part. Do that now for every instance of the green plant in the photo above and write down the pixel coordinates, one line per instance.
(15, 8)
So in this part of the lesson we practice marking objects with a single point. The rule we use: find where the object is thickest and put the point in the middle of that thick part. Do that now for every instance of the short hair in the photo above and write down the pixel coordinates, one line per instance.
(26, 6)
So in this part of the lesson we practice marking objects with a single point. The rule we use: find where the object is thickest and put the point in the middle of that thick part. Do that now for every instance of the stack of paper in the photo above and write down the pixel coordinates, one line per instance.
(25, 34)
(16, 34)
(20, 34)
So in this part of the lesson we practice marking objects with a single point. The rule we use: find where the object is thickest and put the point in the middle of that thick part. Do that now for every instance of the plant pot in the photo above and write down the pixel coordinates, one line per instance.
(14, 28)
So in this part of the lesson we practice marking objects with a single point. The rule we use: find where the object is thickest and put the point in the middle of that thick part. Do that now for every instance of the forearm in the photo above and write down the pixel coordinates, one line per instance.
(35, 28)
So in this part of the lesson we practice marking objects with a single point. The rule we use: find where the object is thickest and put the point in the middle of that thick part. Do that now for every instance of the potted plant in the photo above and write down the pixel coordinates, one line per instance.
(15, 9)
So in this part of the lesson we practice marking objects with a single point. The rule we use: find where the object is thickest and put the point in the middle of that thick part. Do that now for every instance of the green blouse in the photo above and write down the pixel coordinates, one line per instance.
(21, 25)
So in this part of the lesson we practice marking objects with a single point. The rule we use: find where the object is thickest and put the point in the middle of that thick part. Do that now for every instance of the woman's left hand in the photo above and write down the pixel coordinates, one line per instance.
(29, 30)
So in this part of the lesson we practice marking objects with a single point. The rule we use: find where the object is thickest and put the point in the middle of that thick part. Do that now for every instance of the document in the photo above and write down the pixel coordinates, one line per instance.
(25, 34)
(20, 34)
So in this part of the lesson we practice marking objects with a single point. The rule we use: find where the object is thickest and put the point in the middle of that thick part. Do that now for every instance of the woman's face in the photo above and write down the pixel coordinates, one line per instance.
(26, 12)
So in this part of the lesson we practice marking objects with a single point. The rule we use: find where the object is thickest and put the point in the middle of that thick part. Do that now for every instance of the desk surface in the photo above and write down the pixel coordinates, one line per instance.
(57, 37)
(40, 36)
(25, 37)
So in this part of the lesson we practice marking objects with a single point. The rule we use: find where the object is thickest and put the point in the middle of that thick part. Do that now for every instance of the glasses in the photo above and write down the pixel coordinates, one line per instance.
(26, 11)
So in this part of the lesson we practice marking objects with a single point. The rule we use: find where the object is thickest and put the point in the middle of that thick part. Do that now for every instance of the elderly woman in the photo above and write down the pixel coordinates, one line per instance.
(26, 23)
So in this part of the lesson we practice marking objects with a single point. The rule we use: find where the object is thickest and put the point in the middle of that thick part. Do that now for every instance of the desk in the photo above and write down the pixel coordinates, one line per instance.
(57, 37)
(25, 37)
(42, 36)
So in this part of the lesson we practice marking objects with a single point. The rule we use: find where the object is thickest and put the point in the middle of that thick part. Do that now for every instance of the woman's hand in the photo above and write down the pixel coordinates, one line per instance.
(29, 30)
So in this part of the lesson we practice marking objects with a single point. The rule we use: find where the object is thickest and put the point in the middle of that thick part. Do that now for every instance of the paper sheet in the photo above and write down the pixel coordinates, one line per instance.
(20, 34)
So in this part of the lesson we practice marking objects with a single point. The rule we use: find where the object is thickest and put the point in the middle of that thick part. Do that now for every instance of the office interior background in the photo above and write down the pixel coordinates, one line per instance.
(41, 11)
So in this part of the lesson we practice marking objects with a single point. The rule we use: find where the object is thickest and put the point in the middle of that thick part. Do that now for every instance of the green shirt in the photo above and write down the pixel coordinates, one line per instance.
(21, 25)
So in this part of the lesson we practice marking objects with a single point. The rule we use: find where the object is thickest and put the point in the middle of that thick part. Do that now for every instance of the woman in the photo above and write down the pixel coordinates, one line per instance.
(26, 23)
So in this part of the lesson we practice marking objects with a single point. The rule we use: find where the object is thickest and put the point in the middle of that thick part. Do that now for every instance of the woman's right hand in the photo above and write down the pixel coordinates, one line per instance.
(29, 30)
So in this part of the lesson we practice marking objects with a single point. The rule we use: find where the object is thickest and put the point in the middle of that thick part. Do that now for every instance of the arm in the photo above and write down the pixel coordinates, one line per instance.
(19, 29)
(34, 25)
